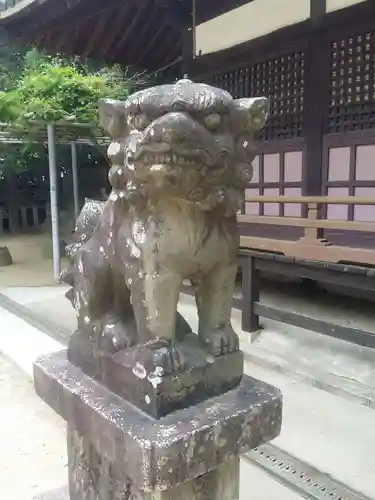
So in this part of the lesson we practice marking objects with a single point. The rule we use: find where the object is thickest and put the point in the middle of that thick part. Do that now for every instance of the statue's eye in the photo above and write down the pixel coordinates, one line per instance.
(213, 121)
(140, 121)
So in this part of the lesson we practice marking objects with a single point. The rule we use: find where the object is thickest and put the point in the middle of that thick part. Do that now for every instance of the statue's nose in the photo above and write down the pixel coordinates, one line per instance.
(172, 127)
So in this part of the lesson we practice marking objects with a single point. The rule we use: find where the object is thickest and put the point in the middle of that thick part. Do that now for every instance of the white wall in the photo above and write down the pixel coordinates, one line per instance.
(249, 21)
(340, 4)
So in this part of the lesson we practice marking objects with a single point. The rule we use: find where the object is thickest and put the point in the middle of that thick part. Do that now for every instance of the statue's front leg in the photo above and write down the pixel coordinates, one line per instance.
(214, 297)
(155, 299)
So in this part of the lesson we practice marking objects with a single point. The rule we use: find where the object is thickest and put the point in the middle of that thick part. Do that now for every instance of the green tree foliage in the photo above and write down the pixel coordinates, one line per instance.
(51, 88)
(36, 88)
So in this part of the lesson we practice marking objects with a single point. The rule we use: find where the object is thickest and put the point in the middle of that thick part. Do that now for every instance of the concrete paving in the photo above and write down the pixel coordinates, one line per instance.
(324, 362)
(33, 436)
(330, 432)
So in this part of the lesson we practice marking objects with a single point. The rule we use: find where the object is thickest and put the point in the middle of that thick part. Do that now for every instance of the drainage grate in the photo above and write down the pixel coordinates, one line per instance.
(299, 476)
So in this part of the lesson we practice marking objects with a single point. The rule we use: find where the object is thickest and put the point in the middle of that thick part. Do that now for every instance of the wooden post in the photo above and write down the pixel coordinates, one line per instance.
(317, 66)
(23, 217)
(314, 235)
(35, 217)
(250, 294)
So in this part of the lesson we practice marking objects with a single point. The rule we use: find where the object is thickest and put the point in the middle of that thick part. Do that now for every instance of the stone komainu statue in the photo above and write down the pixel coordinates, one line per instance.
(181, 158)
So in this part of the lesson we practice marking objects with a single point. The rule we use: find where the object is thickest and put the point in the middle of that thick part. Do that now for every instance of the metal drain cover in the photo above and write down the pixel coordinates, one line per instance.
(299, 476)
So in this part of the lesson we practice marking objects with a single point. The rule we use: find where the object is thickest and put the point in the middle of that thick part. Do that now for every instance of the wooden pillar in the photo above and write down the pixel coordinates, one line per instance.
(35, 217)
(317, 67)
(24, 217)
(250, 294)
(187, 50)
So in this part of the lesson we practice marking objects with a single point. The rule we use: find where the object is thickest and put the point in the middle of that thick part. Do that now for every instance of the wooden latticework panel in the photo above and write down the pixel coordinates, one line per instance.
(352, 85)
(282, 80)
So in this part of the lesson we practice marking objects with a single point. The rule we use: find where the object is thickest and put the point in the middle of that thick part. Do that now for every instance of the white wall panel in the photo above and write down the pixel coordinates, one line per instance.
(340, 4)
(249, 21)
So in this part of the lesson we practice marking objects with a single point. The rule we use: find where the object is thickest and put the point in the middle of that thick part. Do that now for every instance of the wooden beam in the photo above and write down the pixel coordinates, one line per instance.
(317, 71)
(137, 15)
(118, 26)
(317, 9)
(161, 57)
(143, 31)
(187, 50)
(353, 335)
(68, 43)
(174, 13)
(300, 250)
(65, 21)
(160, 31)
(339, 225)
(100, 27)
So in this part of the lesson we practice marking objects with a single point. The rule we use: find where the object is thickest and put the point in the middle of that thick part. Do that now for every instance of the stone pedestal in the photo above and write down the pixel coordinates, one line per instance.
(155, 411)
(118, 452)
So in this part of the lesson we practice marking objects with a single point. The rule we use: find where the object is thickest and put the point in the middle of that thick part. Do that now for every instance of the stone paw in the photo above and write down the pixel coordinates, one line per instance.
(221, 341)
(169, 357)
(117, 335)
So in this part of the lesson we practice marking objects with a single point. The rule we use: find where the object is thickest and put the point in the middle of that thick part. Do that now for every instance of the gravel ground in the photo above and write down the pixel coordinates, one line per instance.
(32, 437)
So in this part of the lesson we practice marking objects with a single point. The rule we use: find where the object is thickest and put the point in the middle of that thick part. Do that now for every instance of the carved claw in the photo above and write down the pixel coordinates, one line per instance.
(221, 341)
(117, 335)
(169, 357)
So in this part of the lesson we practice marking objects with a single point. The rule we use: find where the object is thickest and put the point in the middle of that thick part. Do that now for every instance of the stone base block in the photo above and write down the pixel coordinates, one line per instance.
(113, 446)
(159, 393)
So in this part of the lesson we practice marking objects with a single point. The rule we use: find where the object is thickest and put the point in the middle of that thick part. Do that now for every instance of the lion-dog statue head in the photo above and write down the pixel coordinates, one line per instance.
(186, 140)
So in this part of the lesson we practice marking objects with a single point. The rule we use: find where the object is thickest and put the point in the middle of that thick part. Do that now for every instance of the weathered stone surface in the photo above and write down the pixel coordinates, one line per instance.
(5, 257)
(181, 158)
(155, 454)
(146, 385)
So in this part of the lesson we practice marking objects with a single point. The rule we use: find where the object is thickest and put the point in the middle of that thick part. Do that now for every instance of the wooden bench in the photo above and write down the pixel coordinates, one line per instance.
(312, 256)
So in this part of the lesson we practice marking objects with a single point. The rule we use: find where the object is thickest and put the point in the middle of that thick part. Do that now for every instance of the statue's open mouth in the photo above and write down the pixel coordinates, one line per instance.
(164, 154)
(150, 159)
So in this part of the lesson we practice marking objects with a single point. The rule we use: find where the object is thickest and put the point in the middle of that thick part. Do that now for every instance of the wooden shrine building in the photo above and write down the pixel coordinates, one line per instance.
(312, 199)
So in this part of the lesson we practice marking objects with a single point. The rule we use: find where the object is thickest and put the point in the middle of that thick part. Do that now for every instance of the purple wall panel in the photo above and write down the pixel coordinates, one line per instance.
(293, 166)
(337, 212)
(365, 212)
(271, 167)
(252, 208)
(271, 208)
(365, 163)
(292, 209)
(255, 178)
(338, 164)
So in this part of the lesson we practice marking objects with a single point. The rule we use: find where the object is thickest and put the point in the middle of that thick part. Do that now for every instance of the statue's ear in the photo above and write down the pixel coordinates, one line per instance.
(113, 117)
(250, 114)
